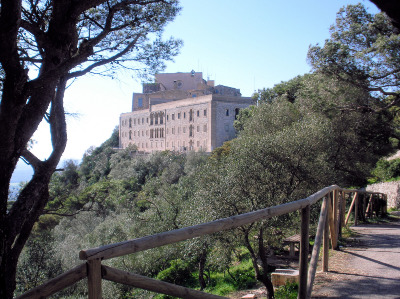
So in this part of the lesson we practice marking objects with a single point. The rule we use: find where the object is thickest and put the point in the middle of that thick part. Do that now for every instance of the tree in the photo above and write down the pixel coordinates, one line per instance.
(288, 89)
(391, 8)
(44, 45)
(364, 51)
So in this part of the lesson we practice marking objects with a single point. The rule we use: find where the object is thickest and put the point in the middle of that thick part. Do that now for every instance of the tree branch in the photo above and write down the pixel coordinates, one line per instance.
(105, 61)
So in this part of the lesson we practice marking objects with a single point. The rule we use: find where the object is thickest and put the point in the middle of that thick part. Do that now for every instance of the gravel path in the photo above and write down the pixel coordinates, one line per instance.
(369, 268)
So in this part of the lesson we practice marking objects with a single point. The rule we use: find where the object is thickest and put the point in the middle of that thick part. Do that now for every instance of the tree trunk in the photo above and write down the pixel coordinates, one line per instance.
(262, 277)
(19, 220)
(202, 263)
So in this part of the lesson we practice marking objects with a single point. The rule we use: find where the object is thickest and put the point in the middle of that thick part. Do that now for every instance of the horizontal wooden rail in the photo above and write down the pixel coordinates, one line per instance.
(170, 237)
(153, 285)
(57, 284)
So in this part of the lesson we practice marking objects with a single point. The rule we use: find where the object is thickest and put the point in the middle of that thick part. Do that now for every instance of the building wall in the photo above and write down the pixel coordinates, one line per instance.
(225, 114)
(198, 123)
(391, 189)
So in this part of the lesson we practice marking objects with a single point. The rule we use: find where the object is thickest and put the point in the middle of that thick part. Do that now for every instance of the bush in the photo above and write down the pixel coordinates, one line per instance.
(288, 291)
(386, 170)
(178, 273)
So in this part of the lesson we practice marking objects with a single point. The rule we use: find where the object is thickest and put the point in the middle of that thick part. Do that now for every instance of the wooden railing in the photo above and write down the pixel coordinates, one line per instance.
(332, 219)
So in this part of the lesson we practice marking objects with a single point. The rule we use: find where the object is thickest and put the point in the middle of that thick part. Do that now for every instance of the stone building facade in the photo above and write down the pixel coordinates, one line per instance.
(181, 112)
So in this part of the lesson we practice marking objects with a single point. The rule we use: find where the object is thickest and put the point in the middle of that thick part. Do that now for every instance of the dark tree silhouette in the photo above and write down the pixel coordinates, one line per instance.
(44, 44)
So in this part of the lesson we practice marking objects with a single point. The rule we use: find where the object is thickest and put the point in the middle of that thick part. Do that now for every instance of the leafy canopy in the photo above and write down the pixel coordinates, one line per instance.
(364, 51)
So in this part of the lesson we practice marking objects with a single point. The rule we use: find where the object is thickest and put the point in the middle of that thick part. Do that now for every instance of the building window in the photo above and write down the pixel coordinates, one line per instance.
(130, 123)
(142, 133)
(227, 112)
(134, 121)
(161, 119)
(142, 120)
(191, 131)
(236, 112)
(130, 135)
(184, 129)
(140, 102)
(198, 113)
(167, 117)
(184, 114)
(173, 116)
(173, 130)
(191, 115)
(198, 129)
(156, 119)
(205, 128)
(179, 130)
(205, 112)
(179, 115)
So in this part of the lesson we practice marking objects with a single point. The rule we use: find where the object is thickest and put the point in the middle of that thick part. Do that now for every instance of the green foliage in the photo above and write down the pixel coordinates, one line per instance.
(386, 170)
(179, 272)
(38, 260)
(243, 116)
(364, 51)
(233, 278)
(288, 291)
(286, 90)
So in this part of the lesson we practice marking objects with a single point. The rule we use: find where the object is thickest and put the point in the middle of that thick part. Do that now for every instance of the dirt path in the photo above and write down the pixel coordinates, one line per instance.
(368, 268)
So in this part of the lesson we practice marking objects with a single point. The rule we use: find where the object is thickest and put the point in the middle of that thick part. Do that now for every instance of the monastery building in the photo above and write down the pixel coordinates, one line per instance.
(181, 112)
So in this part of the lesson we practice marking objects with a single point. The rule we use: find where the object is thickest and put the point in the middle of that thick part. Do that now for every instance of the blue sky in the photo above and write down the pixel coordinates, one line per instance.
(243, 44)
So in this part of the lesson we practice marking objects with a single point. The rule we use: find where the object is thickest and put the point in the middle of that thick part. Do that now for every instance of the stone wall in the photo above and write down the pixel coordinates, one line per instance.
(392, 189)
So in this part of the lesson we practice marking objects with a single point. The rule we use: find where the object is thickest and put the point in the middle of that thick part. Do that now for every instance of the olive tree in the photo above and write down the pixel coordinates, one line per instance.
(44, 45)
(363, 50)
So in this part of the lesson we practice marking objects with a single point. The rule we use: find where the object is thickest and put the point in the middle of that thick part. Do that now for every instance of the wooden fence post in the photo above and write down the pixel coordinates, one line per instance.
(317, 246)
(356, 205)
(304, 248)
(94, 279)
(340, 200)
(332, 222)
(343, 216)
(351, 207)
(335, 207)
(325, 257)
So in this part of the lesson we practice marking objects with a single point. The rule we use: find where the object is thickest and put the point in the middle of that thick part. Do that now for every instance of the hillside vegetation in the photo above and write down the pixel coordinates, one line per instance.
(315, 130)
(284, 151)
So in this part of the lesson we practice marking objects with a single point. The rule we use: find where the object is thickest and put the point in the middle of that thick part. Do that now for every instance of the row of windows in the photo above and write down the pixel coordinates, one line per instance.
(158, 118)
(159, 132)
(190, 115)
(133, 121)
(175, 145)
